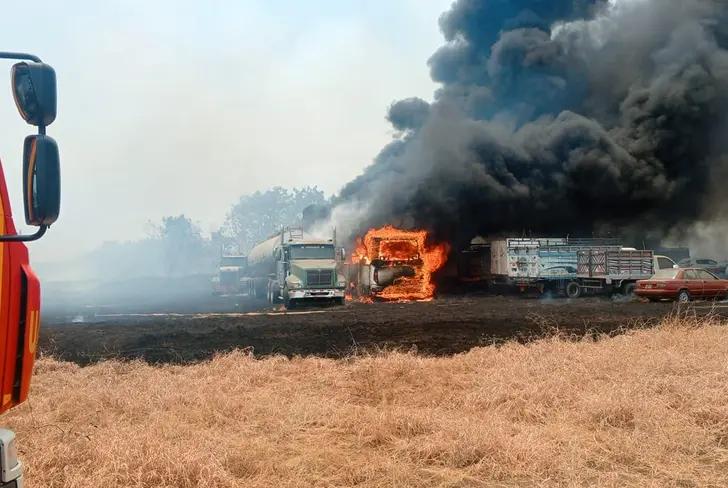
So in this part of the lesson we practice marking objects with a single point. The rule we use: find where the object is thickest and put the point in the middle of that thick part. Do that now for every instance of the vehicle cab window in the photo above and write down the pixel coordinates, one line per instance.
(665, 263)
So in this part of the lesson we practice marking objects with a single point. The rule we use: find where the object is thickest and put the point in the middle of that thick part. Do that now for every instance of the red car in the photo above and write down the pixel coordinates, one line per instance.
(683, 285)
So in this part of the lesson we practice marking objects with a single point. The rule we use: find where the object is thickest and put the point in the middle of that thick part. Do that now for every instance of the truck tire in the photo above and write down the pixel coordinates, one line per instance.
(628, 289)
(684, 296)
(260, 290)
(573, 290)
(273, 292)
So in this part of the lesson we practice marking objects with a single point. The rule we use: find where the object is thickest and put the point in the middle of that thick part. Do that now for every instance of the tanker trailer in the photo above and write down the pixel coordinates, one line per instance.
(294, 268)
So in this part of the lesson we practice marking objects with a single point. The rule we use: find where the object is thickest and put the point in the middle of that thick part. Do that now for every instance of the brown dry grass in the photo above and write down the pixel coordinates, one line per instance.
(649, 408)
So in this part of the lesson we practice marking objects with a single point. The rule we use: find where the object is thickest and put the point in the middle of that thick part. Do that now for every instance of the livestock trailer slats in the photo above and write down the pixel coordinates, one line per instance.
(614, 264)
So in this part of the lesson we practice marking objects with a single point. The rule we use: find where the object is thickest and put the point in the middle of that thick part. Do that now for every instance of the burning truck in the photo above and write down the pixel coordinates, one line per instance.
(394, 264)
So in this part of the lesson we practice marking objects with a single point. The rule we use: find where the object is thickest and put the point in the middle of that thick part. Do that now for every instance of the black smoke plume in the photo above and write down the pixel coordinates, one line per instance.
(561, 117)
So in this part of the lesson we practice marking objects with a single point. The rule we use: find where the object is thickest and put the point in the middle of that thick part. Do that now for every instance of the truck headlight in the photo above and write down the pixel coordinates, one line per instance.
(293, 282)
(11, 468)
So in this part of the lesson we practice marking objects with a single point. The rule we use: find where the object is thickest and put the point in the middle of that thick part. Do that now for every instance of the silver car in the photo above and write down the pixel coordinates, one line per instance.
(716, 267)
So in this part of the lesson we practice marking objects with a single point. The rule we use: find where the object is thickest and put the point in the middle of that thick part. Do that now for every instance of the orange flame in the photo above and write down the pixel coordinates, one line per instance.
(409, 249)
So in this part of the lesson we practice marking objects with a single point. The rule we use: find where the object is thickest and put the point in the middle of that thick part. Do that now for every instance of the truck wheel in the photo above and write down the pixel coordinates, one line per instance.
(273, 293)
(628, 289)
(683, 296)
(260, 291)
(573, 290)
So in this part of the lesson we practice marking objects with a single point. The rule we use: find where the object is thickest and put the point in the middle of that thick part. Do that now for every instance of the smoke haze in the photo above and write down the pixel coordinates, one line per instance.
(180, 106)
(559, 117)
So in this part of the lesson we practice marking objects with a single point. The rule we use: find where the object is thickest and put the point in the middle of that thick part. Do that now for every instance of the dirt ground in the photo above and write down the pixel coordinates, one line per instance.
(441, 327)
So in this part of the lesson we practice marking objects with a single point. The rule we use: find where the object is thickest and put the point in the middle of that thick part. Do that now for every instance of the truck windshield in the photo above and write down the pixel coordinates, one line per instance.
(314, 251)
(234, 261)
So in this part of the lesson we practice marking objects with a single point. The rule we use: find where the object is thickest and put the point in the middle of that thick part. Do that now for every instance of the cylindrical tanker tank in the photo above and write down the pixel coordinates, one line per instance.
(261, 259)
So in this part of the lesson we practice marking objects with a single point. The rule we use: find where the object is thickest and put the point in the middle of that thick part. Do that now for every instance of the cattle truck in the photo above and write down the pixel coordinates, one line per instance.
(542, 264)
(610, 270)
(293, 267)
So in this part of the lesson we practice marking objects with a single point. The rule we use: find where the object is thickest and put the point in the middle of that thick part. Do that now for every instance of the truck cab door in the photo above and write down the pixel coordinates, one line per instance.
(663, 262)
(19, 312)
(281, 267)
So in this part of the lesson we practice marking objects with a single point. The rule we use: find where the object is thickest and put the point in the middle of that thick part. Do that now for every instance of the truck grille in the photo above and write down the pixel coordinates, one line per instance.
(319, 277)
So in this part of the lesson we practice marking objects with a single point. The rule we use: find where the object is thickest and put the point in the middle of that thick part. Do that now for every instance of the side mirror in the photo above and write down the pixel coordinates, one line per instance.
(342, 254)
(41, 180)
(34, 90)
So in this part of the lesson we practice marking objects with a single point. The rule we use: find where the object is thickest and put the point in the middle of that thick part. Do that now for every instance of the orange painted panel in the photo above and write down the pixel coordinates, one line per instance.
(19, 312)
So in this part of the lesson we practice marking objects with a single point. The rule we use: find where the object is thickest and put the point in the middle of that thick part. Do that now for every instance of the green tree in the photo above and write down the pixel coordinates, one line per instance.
(255, 217)
(184, 248)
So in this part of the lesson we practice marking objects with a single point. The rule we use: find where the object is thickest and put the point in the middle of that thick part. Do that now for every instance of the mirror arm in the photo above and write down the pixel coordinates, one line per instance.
(25, 238)
(28, 57)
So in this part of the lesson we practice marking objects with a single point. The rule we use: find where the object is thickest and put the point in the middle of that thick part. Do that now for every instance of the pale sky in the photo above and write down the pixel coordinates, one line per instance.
(169, 107)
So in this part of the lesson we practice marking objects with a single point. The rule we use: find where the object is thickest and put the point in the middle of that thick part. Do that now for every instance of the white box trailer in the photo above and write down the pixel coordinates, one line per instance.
(515, 260)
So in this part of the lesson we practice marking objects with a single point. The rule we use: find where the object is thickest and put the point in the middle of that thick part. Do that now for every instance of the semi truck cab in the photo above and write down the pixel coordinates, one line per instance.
(231, 276)
(294, 267)
(308, 271)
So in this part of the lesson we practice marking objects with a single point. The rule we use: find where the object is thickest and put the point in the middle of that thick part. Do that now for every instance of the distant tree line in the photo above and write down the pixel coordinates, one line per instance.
(177, 246)
(249, 221)
(255, 217)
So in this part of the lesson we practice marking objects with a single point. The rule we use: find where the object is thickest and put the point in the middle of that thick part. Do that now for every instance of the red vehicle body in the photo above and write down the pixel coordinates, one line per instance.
(19, 311)
(683, 285)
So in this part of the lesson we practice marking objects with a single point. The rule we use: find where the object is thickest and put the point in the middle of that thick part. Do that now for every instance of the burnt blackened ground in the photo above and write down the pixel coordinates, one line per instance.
(441, 327)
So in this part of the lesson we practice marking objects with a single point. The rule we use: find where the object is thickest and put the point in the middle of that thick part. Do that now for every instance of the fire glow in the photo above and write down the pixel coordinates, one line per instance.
(390, 248)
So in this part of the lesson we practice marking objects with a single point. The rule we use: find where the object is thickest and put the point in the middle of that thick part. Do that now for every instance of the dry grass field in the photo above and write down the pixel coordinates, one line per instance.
(647, 408)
